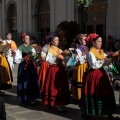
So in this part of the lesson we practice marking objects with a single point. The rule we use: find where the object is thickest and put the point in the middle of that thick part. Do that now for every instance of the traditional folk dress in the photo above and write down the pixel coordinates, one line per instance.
(79, 70)
(97, 93)
(56, 87)
(27, 83)
(5, 71)
(9, 53)
(43, 67)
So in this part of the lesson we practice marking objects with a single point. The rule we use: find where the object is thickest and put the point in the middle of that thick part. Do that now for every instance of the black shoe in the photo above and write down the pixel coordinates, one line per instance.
(60, 109)
(49, 107)
(111, 117)
(117, 118)
(89, 117)
(2, 93)
(119, 106)
(32, 102)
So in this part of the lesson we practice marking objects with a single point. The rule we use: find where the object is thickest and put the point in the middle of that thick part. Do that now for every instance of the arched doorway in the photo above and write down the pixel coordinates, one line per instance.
(42, 15)
(12, 19)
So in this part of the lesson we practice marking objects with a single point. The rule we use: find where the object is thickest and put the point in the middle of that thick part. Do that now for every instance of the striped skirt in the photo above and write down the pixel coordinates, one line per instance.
(97, 94)
(77, 80)
(56, 87)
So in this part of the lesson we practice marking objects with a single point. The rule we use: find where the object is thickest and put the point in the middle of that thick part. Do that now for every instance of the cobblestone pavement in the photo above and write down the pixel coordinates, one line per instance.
(17, 111)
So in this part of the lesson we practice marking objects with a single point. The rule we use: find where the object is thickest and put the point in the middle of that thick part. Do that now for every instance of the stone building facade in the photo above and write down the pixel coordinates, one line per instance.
(18, 16)
(113, 19)
(96, 21)
(104, 18)
(32, 16)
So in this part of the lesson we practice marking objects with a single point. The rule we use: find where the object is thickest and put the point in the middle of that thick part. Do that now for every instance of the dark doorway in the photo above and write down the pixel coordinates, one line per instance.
(99, 29)
(11, 19)
(90, 29)
(43, 16)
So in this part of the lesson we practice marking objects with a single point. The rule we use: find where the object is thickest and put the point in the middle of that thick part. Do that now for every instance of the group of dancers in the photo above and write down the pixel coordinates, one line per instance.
(90, 84)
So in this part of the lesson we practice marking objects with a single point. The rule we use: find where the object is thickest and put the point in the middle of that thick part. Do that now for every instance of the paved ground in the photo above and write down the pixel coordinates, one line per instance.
(17, 111)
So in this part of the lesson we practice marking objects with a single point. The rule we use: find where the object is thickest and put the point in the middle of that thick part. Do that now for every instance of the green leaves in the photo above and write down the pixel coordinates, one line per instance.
(83, 2)
(66, 31)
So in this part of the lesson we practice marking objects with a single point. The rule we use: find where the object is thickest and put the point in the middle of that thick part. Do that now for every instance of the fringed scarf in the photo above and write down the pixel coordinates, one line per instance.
(83, 49)
(99, 55)
(54, 50)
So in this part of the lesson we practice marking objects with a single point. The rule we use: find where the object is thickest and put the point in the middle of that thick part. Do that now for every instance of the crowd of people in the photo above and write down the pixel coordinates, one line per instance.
(42, 72)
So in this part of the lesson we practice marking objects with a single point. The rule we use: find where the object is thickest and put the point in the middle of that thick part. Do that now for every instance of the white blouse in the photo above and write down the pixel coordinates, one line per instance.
(80, 58)
(94, 62)
(44, 51)
(18, 57)
(51, 58)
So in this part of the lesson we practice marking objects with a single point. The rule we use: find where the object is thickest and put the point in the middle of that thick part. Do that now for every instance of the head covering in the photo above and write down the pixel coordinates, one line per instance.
(23, 35)
(91, 37)
(48, 38)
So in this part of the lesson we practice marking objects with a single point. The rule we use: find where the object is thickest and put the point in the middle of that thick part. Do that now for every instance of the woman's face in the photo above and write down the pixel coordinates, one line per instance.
(83, 42)
(27, 39)
(98, 43)
(55, 41)
(9, 36)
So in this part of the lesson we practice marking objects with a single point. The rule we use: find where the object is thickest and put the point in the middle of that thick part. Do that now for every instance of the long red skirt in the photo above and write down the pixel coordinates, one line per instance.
(42, 74)
(97, 94)
(56, 87)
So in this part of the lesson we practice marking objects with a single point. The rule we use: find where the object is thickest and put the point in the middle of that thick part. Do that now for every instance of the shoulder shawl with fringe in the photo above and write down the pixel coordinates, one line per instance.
(54, 50)
(99, 55)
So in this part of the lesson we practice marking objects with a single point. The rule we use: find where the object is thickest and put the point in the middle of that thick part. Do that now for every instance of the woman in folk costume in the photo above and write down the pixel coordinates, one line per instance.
(97, 93)
(44, 65)
(11, 52)
(27, 83)
(81, 66)
(5, 70)
(56, 87)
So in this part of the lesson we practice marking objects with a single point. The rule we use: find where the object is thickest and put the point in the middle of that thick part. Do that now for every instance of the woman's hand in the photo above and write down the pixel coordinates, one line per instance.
(66, 53)
(107, 59)
(116, 54)
(27, 57)
(60, 57)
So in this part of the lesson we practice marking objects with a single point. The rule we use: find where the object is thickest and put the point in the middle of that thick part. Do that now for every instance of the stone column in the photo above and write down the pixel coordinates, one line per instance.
(70, 10)
(52, 15)
(3, 18)
(24, 15)
(19, 17)
(0, 18)
(29, 17)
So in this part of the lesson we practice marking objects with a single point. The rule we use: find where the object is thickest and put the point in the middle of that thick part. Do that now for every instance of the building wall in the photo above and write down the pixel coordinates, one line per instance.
(0, 17)
(60, 10)
(113, 19)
